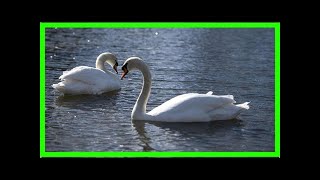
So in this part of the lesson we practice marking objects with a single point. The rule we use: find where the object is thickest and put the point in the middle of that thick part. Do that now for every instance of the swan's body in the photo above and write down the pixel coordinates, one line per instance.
(191, 107)
(89, 80)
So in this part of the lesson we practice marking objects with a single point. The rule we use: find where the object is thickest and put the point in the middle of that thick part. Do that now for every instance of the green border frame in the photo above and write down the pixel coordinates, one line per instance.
(275, 25)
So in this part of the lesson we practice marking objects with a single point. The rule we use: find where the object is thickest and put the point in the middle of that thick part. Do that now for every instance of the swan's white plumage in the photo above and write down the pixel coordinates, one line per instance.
(85, 74)
(210, 92)
(191, 107)
(87, 80)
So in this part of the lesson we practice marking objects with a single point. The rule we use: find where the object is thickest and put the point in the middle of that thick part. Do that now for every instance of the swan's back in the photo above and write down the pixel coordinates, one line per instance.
(87, 80)
(86, 74)
(193, 107)
(179, 103)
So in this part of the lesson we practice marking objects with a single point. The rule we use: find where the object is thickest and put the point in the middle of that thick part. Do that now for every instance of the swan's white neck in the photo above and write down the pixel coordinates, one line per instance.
(100, 64)
(139, 109)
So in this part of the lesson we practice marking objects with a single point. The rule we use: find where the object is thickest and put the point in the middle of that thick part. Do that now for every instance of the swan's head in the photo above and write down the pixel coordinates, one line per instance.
(130, 64)
(110, 59)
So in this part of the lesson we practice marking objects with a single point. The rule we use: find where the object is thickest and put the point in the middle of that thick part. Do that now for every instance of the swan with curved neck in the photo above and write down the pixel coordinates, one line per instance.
(89, 80)
(190, 107)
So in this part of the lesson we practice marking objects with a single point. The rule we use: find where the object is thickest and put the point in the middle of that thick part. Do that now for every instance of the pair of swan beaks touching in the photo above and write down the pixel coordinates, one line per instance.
(190, 107)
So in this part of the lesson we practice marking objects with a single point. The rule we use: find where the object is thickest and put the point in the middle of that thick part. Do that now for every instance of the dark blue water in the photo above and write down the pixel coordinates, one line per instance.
(226, 61)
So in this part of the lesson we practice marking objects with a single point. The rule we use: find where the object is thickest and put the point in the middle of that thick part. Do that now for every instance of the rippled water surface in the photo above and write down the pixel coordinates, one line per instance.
(226, 61)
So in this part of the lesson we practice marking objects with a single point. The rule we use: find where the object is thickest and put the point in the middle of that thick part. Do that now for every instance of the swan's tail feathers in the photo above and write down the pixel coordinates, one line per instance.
(244, 105)
(58, 87)
(209, 93)
(55, 86)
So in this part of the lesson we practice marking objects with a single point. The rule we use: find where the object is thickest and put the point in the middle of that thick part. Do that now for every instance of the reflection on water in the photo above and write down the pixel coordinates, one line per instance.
(226, 61)
(143, 137)
(105, 99)
(183, 129)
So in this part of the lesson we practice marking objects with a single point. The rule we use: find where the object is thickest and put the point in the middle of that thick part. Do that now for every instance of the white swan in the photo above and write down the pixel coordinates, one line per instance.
(89, 80)
(191, 107)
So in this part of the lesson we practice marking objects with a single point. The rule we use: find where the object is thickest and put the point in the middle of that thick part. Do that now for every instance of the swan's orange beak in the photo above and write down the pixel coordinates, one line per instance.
(115, 68)
(125, 72)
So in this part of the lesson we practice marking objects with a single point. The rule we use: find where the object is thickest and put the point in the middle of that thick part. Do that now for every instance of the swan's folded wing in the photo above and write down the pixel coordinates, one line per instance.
(84, 74)
(80, 70)
(192, 101)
